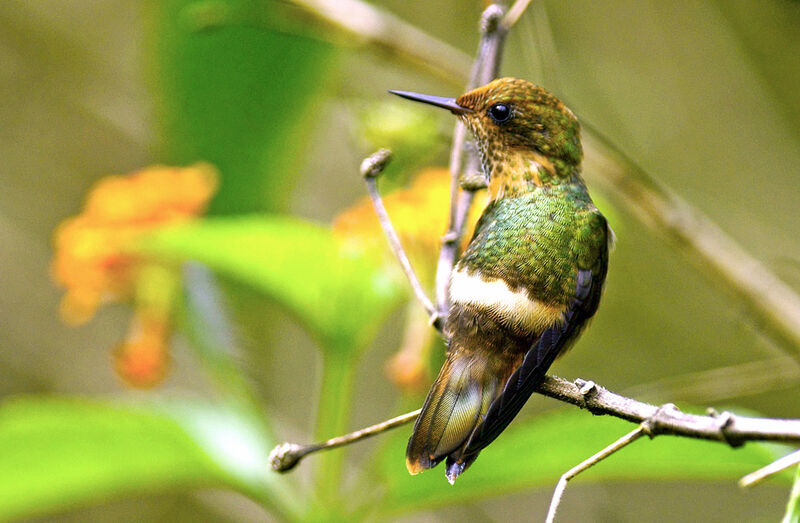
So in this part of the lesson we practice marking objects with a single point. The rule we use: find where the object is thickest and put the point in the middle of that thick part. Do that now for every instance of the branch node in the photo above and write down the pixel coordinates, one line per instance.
(586, 387)
(374, 164)
(450, 237)
(491, 18)
(588, 391)
(725, 420)
(285, 457)
(651, 426)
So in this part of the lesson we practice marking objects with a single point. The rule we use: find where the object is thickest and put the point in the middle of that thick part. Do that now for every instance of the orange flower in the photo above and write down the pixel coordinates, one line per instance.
(420, 215)
(92, 260)
(142, 359)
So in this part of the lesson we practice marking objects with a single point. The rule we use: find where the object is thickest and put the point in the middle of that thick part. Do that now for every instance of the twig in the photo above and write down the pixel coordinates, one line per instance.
(371, 168)
(776, 466)
(667, 419)
(574, 471)
(372, 25)
(515, 12)
(286, 456)
(773, 304)
(484, 69)
(724, 427)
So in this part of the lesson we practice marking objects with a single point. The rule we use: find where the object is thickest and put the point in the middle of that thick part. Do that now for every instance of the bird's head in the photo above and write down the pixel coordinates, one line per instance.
(513, 119)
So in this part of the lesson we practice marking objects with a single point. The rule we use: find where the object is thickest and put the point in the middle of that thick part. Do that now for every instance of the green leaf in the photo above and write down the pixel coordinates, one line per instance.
(793, 507)
(340, 295)
(57, 454)
(237, 90)
(537, 452)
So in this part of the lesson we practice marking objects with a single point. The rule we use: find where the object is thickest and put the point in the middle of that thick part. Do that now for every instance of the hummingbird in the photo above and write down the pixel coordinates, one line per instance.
(528, 281)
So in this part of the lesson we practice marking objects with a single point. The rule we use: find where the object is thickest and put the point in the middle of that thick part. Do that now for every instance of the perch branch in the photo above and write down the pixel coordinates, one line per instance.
(585, 465)
(371, 168)
(724, 427)
(667, 419)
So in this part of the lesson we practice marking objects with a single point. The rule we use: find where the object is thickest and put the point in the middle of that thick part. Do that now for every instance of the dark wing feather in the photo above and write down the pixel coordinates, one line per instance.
(537, 361)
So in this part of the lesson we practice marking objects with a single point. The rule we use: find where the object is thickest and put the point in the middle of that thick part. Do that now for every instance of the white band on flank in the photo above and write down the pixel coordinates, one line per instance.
(495, 294)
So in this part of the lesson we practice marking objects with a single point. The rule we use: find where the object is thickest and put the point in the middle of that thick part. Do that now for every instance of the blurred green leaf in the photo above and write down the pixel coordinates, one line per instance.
(793, 507)
(411, 133)
(536, 453)
(235, 91)
(340, 295)
(57, 454)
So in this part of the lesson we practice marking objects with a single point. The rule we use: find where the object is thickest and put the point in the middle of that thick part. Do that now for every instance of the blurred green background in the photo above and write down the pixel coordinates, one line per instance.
(702, 95)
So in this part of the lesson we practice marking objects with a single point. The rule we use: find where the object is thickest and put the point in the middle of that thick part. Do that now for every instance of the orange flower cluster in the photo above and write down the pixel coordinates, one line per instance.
(420, 216)
(92, 258)
(141, 360)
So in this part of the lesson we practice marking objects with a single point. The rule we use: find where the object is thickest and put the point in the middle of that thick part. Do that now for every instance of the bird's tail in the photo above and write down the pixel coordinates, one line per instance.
(456, 404)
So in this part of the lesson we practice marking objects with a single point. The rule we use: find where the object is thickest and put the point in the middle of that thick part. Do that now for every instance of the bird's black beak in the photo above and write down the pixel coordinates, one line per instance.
(439, 101)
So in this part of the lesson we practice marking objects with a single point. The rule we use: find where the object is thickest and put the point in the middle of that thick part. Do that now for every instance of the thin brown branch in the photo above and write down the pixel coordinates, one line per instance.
(515, 12)
(776, 466)
(371, 168)
(774, 306)
(667, 419)
(286, 456)
(725, 427)
(585, 465)
(485, 68)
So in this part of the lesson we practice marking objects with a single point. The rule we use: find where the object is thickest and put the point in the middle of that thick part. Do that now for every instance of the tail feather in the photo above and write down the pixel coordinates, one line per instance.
(454, 408)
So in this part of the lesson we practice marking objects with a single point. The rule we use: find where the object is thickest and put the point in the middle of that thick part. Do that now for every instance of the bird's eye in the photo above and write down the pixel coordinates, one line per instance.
(500, 113)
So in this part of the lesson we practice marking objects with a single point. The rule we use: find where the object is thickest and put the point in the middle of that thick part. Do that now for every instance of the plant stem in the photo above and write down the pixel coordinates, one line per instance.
(332, 418)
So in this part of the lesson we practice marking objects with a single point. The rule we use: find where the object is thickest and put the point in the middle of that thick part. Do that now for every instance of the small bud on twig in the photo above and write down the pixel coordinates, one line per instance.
(285, 456)
(374, 164)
